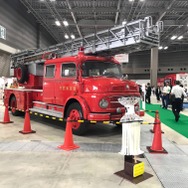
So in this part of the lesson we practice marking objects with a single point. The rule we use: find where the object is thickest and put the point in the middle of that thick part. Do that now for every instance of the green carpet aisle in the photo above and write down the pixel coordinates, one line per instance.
(167, 117)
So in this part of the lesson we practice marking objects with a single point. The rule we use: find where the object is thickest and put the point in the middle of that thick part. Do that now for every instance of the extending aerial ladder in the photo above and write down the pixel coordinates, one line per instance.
(135, 36)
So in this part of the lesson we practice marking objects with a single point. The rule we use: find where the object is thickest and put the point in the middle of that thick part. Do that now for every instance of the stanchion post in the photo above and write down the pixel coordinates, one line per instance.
(133, 169)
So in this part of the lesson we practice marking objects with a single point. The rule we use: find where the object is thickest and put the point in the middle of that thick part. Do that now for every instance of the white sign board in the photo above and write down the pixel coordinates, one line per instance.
(144, 96)
(183, 78)
(122, 58)
(2, 32)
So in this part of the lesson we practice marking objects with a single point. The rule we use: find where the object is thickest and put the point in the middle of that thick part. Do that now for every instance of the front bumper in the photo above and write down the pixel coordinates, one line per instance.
(104, 117)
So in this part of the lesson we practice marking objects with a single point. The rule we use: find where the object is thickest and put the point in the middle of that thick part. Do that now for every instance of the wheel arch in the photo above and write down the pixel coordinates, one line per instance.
(81, 102)
(13, 106)
(10, 97)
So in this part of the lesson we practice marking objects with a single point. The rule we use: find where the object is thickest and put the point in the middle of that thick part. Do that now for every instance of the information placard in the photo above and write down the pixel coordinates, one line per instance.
(2, 32)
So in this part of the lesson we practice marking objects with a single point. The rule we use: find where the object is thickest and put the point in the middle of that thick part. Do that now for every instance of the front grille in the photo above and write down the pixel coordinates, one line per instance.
(114, 101)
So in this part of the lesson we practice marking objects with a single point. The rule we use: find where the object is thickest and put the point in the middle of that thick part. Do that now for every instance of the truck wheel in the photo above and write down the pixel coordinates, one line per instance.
(22, 74)
(118, 125)
(13, 106)
(75, 113)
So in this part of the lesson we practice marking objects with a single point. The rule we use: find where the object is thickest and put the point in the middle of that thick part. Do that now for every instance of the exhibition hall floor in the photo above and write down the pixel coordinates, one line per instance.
(33, 160)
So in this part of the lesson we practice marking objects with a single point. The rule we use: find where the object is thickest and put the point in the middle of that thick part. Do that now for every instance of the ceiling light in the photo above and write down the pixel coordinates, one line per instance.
(142, 0)
(52, 0)
(72, 36)
(160, 47)
(65, 23)
(180, 37)
(131, 0)
(124, 22)
(166, 47)
(173, 37)
(66, 36)
(57, 22)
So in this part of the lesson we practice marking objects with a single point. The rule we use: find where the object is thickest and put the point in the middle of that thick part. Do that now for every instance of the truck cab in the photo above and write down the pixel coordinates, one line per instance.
(86, 87)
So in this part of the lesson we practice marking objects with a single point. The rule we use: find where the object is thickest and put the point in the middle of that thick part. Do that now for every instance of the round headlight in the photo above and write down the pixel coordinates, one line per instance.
(103, 103)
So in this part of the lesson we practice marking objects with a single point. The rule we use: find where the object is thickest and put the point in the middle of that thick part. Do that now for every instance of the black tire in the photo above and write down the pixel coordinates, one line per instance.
(118, 125)
(13, 106)
(22, 74)
(75, 112)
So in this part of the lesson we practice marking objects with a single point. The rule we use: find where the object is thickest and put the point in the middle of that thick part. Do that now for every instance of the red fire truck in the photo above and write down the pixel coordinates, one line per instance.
(171, 78)
(63, 82)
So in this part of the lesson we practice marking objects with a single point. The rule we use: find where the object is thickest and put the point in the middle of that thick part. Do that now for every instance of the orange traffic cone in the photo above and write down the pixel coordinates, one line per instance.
(157, 140)
(27, 125)
(6, 116)
(68, 141)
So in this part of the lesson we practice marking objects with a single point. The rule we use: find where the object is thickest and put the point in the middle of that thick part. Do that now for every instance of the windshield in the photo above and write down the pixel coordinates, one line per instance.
(101, 68)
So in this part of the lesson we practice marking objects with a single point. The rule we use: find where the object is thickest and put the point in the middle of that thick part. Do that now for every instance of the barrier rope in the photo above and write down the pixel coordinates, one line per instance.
(83, 120)
(152, 111)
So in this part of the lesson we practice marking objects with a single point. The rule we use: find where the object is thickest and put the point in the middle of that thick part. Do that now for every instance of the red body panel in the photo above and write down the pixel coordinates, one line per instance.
(21, 97)
(34, 81)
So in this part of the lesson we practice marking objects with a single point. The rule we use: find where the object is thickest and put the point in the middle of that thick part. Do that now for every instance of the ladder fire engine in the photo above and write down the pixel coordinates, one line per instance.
(62, 81)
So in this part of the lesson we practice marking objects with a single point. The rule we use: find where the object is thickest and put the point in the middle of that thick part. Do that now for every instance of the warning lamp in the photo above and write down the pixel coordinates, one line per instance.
(81, 49)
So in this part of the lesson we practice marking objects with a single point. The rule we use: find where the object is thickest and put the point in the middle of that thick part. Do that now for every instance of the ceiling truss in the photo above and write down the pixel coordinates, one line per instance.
(91, 16)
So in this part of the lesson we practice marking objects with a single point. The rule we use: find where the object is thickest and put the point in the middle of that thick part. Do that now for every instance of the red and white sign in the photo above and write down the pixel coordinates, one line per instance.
(122, 58)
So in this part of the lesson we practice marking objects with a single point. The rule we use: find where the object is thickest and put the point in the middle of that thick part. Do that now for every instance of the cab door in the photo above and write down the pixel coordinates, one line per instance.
(67, 83)
(49, 84)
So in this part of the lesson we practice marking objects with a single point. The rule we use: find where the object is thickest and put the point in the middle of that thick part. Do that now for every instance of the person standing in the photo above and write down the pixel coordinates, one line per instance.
(178, 91)
(148, 93)
(158, 93)
(165, 95)
(182, 98)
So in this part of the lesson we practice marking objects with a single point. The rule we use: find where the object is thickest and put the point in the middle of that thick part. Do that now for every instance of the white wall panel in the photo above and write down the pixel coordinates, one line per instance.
(4, 64)
(21, 27)
(22, 32)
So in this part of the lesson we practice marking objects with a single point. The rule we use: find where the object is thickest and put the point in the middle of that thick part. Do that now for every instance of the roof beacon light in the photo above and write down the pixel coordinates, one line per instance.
(81, 49)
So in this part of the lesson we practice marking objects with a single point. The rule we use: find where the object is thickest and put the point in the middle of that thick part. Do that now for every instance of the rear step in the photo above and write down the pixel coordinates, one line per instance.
(47, 112)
